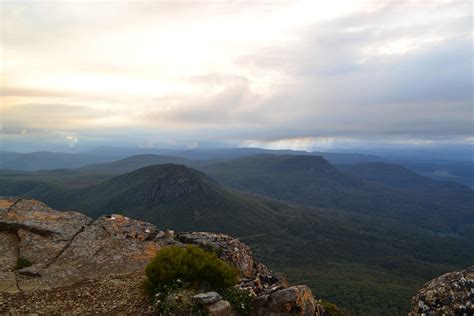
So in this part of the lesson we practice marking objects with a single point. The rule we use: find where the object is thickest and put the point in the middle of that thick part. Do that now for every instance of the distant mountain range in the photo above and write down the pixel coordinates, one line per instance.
(52, 160)
(375, 229)
(437, 166)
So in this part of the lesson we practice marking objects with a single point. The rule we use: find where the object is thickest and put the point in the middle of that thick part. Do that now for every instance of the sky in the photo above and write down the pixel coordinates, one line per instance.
(277, 74)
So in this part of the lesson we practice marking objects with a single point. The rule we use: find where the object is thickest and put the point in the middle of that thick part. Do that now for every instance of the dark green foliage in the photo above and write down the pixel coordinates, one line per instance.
(312, 181)
(239, 299)
(191, 265)
(22, 263)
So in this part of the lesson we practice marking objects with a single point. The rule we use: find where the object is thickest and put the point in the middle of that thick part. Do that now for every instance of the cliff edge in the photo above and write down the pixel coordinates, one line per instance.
(53, 262)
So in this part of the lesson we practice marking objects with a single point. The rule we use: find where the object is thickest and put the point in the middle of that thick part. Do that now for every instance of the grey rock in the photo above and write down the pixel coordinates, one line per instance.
(219, 308)
(294, 300)
(207, 298)
(449, 294)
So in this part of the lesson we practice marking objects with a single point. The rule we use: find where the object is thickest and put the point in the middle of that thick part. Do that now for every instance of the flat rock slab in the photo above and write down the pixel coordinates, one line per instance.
(7, 202)
(40, 219)
(110, 244)
(67, 247)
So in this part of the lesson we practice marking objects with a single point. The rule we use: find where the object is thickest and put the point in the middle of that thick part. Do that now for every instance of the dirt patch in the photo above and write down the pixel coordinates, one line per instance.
(113, 294)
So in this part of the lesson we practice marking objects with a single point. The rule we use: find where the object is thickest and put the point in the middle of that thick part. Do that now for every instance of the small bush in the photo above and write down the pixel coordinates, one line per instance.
(22, 263)
(176, 303)
(191, 265)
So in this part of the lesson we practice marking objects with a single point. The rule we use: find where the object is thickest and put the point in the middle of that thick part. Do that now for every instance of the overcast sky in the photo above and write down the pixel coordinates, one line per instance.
(280, 74)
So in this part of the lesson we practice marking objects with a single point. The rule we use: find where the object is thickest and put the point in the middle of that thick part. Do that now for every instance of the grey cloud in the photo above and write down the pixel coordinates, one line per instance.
(426, 92)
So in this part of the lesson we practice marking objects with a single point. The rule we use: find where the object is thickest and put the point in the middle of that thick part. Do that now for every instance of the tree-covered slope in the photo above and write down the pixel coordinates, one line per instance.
(312, 181)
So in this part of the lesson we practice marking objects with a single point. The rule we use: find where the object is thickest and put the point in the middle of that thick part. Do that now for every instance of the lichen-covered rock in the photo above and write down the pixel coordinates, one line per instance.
(66, 247)
(228, 249)
(449, 294)
(294, 300)
(36, 217)
(42, 232)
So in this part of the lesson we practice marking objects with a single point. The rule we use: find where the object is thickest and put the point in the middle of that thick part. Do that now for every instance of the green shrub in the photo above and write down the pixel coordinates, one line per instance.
(191, 265)
(22, 263)
(239, 299)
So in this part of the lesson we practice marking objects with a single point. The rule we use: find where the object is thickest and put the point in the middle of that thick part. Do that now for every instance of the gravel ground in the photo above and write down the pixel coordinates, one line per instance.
(111, 295)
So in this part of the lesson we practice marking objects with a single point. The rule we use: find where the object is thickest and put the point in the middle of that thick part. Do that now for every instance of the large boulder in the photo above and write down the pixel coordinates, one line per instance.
(449, 294)
(294, 300)
(219, 308)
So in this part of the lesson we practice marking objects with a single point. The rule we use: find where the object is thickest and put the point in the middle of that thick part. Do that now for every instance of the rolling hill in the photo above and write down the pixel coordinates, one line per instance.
(133, 163)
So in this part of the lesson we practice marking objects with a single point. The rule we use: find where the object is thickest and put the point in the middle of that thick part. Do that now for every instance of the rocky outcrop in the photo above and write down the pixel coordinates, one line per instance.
(449, 294)
(254, 276)
(294, 300)
(213, 304)
(44, 252)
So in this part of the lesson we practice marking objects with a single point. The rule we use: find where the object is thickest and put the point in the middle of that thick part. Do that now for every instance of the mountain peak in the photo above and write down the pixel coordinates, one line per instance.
(157, 184)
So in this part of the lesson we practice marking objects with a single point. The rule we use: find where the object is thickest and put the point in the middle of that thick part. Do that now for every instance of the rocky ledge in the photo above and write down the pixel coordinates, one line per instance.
(54, 262)
(449, 294)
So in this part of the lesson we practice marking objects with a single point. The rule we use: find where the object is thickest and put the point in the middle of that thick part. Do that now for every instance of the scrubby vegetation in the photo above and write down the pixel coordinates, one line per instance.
(197, 268)
(176, 302)
(22, 263)
(176, 274)
(239, 299)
